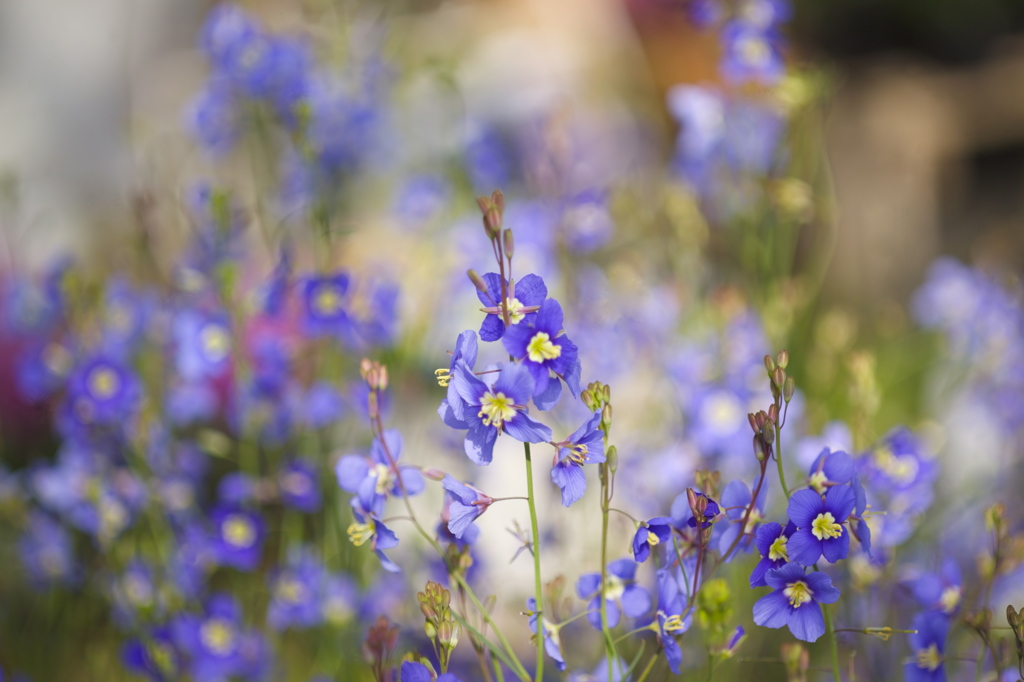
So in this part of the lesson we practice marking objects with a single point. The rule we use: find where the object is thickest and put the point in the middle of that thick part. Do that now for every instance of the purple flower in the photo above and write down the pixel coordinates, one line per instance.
(942, 590)
(213, 643)
(325, 305)
(650, 534)
(523, 298)
(489, 411)
(773, 544)
(203, 344)
(796, 601)
(102, 391)
(466, 505)
(751, 54)
(585, 445)
(237, 537)
(621, 593)
(214, 117)
(819, 523)
(296, 594)
(375, 477)
(668, 628)
(928, 644)
(466, 349)
(830, 469)
(322, 406)
(367, 527)
(736, 497)
(552, 643)
(542, 346)
(297, 481)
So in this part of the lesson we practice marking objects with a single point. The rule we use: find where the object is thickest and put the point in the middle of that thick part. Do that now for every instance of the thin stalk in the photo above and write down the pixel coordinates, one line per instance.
(833, 645)
(650, 666)
(778, 460)
(537, 585)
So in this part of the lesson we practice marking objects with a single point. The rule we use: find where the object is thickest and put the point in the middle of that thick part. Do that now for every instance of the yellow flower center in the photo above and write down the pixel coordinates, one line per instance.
(929, 658)
(291, 590)
(360, 533)
(752, 521)
(902, 469)
(950, 598)
(443, 376)
(798, 593)
(578, 454)
(673, 624)
(238, 531)
(104, 382)
(817, 481)
(515, 313)
(825, 526)
(215, 342)
(754, 50)
(541, 348)
(779, 551)
(614, 587)
(652, 539)
(496, 409)
(218, 635)
(384, 478)
(326, 299)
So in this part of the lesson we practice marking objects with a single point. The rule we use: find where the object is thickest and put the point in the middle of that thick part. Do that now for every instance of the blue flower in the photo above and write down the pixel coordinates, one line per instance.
(297, 481)
(322, 405)
(46, 551)
(214, 642)
(681, 510)
(929, 645)
(819, 521)
(621, 592)
(942, 590)
(325, 305)
(585, 445)
(466, 350)
(296, 593)
(650, 534)
(795, 601)
(368, 527)
(156, 656)
(375, 477)
(773, 545)
(203, 343)
(523, 298)
(466, 505)
(102, 391)
(542, 347)
(736, 497)
(751, 54)
(552, 643)
(237, 538)
(669, 627)
(214, 117)
(489, 411)
(830, 469)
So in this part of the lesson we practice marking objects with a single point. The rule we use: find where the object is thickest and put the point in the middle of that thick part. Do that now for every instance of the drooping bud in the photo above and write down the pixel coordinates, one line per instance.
(612, 457)
(768, 434)
(477, 281)
(788, 389)
(760, 449)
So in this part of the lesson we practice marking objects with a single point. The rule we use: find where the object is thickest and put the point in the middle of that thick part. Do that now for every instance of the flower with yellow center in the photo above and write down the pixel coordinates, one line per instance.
(515, 310)
(798, 593)
(541, 348)
(103, 382)
(754, 50)
(950, 598)
(779, 550)
(930, 659)
(215, 342)
(496, 409)
(817, 481)
(238, 531)
(360, 533)
(825, 526)
(218, 635)
(291, 590)
(326, 300)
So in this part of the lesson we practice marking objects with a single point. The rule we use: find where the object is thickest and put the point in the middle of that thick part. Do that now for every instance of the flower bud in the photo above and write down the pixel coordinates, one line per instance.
(477, 281)
(779, 377)
(773, 415)
(612, 457)
(769, 364)
(760, 450)
(788, 389)
(783, 359)
(509, 244)
(499, 199)
(769, 435)
(606, 417)
(434, 474)
(1012, 617)
(588, 399)
(753, 422)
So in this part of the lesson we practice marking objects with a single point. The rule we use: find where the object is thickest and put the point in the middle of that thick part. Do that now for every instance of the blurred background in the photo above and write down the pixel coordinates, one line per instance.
(700, 183)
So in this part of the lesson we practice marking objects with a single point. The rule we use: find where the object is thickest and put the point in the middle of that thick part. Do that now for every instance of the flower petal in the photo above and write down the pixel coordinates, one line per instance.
(807, 622)
(804, 505)
(804, 548)
(772, 610)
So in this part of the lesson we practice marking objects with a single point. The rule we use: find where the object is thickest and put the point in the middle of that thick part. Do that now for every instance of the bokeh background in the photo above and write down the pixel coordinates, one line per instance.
(852, 193)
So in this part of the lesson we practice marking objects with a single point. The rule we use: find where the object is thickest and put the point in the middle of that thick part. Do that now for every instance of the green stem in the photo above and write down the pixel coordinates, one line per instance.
(537, 585)
(650, 666)
(833, 645)
(609, 644)
(778, 460)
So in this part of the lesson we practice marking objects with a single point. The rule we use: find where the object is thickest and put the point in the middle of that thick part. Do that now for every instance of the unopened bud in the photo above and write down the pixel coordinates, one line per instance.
(493, 222)
(760, 450)
(783, 359)
(509, 244)
(499, 199)
(588, 399)
(1012, 617)
(607, 393)
(429, 630)
(612, 457)
(769, 364)
(691, 499)
(434, 474)
(477, 281)
(606, 417)
(484, 203)
(773, 414)
(788, 389)
(768, 434)
(779, 377)
(382, 378)
(760, 418)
